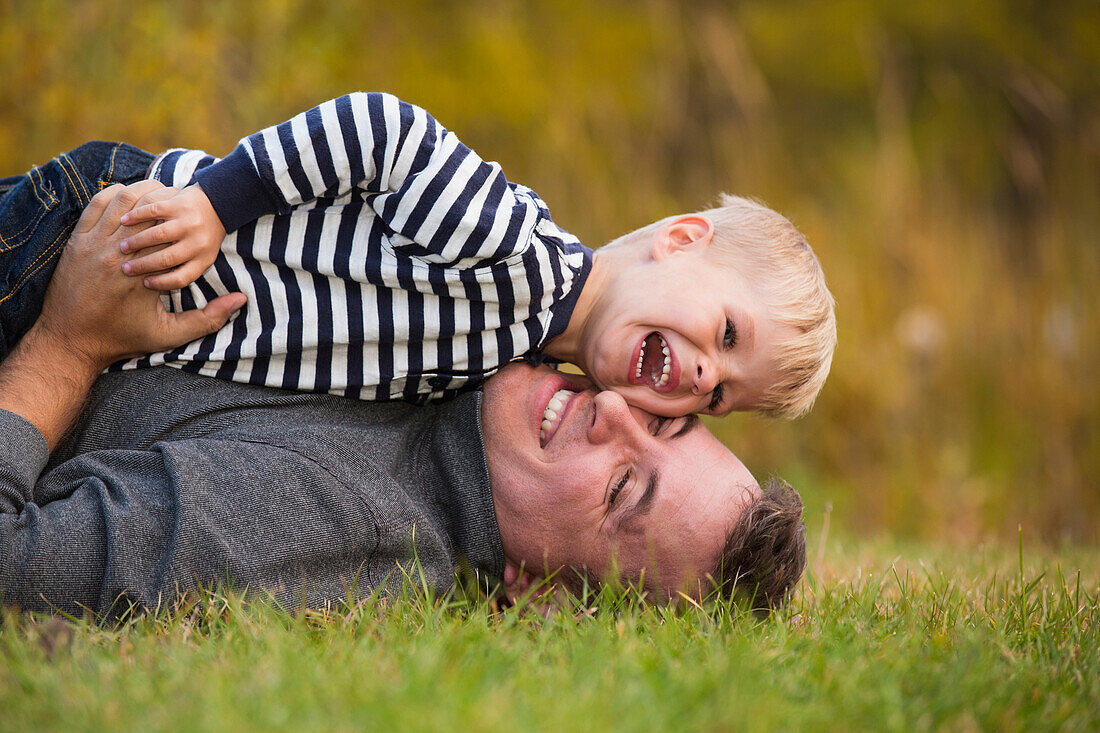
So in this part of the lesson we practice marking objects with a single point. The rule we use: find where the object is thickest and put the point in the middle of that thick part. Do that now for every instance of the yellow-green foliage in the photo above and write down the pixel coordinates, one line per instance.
(941, 157)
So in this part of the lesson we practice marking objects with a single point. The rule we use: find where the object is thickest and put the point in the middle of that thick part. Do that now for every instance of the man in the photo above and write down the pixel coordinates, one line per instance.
(168, 480)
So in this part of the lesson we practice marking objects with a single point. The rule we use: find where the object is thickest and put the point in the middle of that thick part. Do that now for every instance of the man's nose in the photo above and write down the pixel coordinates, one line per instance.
(612, 419)
(705, 377)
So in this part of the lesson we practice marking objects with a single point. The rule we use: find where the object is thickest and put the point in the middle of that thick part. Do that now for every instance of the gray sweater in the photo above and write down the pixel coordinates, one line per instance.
(170, 479)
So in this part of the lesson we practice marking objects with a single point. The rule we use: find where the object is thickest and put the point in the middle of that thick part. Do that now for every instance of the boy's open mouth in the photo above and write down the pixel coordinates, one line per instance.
(654, 364)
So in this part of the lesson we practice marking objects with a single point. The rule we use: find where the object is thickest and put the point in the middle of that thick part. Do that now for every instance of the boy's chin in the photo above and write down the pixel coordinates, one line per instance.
(651, 402)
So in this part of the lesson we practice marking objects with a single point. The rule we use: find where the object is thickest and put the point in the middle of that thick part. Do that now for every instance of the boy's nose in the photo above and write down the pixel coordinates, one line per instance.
(706, 376)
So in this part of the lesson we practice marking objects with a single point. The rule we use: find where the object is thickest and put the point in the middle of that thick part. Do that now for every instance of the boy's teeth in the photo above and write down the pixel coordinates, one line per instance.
(550, 414)
(662, 380)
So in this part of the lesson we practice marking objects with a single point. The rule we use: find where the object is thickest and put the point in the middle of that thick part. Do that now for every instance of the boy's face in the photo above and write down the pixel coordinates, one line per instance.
(681, 332)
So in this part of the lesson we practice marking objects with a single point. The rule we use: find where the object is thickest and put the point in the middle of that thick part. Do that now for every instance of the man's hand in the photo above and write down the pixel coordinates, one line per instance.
(189, 226)
(101, 313)
(93, 315)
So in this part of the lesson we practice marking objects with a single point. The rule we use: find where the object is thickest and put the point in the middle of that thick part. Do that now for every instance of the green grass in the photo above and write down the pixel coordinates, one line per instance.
(879, 637)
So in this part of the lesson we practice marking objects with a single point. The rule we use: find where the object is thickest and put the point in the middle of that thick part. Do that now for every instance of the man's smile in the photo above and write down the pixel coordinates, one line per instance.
(654, 364)
(554, 396)
(553, 414)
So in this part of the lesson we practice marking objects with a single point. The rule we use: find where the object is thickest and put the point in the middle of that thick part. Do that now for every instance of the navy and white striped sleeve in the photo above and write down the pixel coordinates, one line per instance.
(316, 153)
(456, 208)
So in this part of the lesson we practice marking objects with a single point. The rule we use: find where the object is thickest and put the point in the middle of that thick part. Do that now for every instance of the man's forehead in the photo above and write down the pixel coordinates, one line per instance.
(683, 536)
(701, 472)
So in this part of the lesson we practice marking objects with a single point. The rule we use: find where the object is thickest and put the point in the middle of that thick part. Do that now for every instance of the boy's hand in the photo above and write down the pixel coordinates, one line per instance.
(191, 229)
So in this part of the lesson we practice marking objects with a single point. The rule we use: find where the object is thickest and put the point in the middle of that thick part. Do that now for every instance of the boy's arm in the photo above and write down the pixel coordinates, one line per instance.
(421, 180)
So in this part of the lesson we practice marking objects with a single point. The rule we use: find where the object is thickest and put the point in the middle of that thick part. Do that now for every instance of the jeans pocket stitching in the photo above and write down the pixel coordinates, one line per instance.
(38, 188)
(38, 263)
(14, 240)
(74, 179)
(111, 170)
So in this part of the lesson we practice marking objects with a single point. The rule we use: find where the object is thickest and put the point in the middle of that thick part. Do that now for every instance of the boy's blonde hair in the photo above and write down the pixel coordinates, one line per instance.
(767, 249)
(776, 259)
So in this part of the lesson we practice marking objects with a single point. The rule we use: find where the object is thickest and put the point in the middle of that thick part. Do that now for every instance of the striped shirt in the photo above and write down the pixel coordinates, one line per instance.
(381, 257)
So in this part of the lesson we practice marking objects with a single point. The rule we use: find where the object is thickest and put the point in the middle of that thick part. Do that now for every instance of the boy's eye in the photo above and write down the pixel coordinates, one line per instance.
(715, 398)
(618, 489)
(730, 337)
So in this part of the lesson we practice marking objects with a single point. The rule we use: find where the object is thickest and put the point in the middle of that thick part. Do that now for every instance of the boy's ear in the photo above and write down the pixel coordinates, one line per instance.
(682, 234)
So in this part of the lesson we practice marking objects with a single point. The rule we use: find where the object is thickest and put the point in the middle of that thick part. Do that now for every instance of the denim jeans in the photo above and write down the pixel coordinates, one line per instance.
(38, 211)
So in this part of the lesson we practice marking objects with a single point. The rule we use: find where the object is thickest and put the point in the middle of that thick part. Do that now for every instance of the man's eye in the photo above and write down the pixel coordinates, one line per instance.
(715, 398)
(618, 489)
(729, 339)
(658, 424)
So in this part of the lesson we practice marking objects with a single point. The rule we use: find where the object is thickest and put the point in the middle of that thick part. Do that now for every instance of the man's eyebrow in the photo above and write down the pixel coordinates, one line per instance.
(690, 423)
(644, 503)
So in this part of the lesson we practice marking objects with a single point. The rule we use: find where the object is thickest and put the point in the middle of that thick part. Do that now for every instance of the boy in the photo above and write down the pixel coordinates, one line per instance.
(383, 259)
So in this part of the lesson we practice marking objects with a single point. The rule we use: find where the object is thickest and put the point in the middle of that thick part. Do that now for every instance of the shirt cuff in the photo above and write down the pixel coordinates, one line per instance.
(236, 190)
(23, 450)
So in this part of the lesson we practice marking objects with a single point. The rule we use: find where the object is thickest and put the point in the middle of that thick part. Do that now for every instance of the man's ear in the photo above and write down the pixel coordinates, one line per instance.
(682, 234)
(511, 573)
(517, 581)
(539, 595)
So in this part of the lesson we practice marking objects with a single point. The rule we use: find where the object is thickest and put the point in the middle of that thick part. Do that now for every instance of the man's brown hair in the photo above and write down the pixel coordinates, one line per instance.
(765, 552)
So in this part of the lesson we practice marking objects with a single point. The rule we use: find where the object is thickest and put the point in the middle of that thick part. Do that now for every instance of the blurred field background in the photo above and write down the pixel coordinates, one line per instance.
(942, 158)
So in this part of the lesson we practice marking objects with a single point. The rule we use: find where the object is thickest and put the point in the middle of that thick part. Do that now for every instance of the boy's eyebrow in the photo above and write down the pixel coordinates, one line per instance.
(748, 338)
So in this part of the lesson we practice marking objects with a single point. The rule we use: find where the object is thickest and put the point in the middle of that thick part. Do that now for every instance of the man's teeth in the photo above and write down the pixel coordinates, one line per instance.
(553, 408)
(663, 379)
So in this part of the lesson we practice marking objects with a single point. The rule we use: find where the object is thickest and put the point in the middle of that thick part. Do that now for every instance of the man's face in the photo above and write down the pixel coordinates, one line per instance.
(579, 477)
